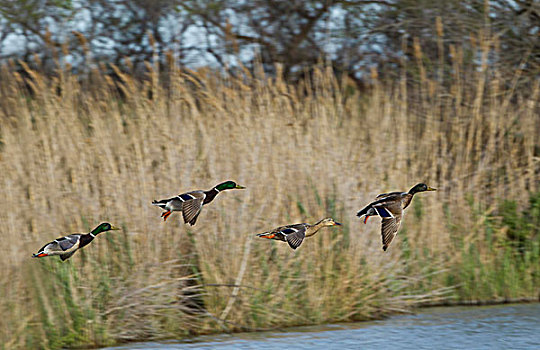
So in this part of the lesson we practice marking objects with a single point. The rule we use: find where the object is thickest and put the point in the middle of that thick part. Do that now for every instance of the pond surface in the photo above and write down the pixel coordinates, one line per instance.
(490, 327)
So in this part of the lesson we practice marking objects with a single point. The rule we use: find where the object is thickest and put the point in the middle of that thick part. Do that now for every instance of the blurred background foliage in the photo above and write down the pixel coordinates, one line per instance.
(354, 35)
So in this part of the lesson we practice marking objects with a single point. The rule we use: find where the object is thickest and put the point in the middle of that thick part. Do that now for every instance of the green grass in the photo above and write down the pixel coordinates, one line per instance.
(502, 262)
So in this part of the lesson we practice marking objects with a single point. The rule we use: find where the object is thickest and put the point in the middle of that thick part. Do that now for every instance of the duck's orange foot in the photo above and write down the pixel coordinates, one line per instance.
(165, 215)
(365, 219)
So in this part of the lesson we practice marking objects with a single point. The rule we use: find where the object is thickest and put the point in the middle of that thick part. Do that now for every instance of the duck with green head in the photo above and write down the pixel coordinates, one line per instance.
(66, 246)
(390, 206)
(190, 203)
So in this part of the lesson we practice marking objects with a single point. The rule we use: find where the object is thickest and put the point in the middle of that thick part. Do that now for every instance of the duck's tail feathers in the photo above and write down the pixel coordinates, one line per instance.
(363, 211)
(162, 203)
(269, 235)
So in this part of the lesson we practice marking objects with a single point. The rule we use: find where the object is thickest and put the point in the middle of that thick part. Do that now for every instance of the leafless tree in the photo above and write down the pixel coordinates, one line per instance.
(352, 35)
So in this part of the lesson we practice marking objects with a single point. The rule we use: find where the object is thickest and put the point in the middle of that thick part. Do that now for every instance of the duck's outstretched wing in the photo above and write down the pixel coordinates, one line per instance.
(192, 205)
(391, 220)
(67, 256)
(294, 234)
(68, 242)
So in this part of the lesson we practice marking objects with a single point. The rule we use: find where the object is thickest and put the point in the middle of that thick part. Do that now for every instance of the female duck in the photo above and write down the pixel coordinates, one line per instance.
(66, 246)
(190, 203)
(390, 206)
(295, 234)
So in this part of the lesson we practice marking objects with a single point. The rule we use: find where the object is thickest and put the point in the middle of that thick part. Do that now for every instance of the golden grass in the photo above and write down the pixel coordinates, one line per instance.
(73, 159)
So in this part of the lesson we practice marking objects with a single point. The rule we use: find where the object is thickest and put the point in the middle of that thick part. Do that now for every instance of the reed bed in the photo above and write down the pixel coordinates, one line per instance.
(76, 152)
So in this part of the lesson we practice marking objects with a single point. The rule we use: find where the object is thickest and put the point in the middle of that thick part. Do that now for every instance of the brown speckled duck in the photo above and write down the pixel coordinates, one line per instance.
(190, 203)
(390, 206)
(295, 234)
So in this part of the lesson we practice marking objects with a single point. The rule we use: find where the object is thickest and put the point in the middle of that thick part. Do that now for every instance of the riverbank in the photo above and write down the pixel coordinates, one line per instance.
(450, 303)
(500, 327)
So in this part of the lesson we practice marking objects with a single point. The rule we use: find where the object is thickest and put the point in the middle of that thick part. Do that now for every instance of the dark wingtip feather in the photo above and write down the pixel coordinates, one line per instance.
(293, 246)
(294, 243)
(384, 247)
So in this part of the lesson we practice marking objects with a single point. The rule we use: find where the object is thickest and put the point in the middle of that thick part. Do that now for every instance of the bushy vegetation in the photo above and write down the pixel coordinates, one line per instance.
(508, 270)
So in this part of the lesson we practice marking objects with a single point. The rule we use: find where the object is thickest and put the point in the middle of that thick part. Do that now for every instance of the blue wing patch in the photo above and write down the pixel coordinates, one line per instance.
(383, 212)
(186, 197)
(288, 231)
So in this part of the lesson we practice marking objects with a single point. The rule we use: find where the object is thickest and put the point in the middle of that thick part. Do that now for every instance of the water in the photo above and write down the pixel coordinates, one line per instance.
(493, 327)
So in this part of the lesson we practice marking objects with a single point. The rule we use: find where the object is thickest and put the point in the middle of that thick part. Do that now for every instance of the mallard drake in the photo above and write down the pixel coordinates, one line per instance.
(390, 206)
(190, 203)
(66, 246)
(295, 234)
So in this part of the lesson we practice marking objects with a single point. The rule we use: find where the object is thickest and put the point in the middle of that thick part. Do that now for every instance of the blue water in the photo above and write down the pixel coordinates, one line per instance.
(493, 327)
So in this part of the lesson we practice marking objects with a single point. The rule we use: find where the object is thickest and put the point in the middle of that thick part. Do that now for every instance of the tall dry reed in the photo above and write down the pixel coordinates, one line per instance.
(75, 154)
